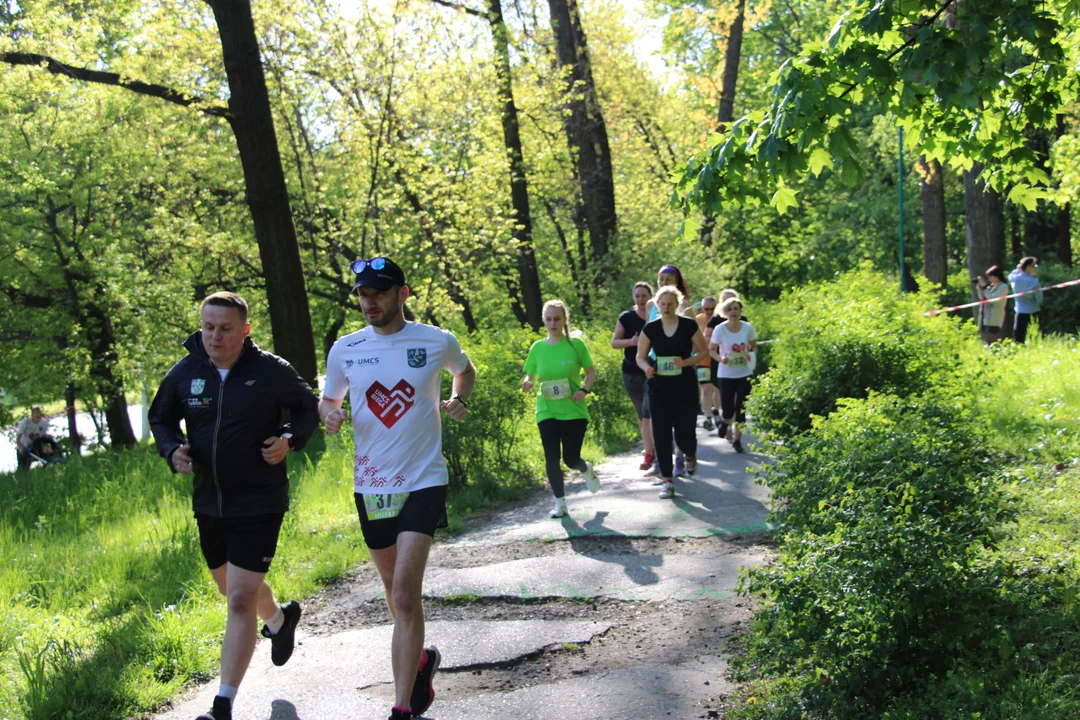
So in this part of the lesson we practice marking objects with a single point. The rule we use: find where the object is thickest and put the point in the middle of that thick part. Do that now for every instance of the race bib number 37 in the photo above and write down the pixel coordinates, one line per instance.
(556, 389)
(384, 507)
(665, 365)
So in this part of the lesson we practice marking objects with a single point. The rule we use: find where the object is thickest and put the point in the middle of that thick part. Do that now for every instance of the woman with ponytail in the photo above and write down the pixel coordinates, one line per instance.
(554, 367)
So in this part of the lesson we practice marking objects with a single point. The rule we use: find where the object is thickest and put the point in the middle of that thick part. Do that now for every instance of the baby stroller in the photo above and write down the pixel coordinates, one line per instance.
(44, 451)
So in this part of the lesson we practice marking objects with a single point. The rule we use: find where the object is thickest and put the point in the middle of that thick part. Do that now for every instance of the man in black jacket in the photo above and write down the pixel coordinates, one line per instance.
(232, 397)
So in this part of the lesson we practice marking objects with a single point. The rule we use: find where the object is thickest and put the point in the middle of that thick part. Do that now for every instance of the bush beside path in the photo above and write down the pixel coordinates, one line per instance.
(622, 609)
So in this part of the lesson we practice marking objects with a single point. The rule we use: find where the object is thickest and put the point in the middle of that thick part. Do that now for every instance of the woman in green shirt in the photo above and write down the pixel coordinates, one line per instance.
(554, 368)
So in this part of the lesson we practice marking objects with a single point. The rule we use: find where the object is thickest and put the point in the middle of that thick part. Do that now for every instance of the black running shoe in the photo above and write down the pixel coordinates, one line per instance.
(738, 446)
(721, 429)
(396, 714)
(423, 694)
(282, 643)
(222, 710)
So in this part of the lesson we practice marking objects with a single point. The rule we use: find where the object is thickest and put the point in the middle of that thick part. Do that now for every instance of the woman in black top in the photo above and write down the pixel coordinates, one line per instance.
(627, 331)
(679, 346)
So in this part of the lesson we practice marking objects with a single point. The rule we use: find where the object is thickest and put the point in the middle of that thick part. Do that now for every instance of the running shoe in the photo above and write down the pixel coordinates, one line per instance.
(680, 465)
(654, 471)
(691, 465)
(647, 462)
(591, 481)
(396, 714)
(283, 642)
(560, 508)
(667, 491)
(222, 710)
(423, 694)
(738, 446)
(721, 429)
(708, 423)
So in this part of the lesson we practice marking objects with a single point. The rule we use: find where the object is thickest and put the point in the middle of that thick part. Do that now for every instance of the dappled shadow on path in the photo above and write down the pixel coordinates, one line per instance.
(283, 710)
(595, 541)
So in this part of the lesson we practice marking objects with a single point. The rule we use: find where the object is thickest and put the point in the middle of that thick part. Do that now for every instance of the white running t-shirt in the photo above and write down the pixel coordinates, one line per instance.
(393, 386)
(734, 345)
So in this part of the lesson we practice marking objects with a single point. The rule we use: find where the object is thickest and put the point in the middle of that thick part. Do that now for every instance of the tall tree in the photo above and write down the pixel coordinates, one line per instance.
(267, 195)
(984, 224)
(585, 129)
(250, 118)
(932, 193)
(529, 310)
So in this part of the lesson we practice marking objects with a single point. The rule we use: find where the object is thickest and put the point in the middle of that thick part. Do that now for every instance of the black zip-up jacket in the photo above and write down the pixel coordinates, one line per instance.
(227, 423)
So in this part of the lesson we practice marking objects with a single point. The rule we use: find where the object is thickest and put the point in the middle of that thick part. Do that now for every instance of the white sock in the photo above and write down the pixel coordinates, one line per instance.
(227, 691)
(275, 623)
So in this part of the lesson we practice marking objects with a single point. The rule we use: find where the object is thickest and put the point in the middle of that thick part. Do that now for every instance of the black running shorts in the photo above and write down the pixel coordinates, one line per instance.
(247, 542)
(424, 512)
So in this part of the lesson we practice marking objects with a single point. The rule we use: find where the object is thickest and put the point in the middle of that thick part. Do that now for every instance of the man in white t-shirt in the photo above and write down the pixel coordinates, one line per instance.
(30, 429)
(391, 371)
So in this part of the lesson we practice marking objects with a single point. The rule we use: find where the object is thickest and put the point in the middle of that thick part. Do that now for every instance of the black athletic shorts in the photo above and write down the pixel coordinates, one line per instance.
(424, 512)
(248, 542)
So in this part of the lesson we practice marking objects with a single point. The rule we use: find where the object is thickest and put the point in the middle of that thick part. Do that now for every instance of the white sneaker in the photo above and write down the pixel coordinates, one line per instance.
(591, 481)
(667, 491)
(560, 508)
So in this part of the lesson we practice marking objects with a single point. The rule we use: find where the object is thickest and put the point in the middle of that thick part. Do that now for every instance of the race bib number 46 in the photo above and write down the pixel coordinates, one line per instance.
(665, 365)
(556, 389)
(384, 507)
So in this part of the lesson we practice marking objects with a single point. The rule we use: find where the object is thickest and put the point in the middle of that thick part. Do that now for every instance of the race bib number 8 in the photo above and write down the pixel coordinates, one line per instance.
(556, 389)
(384, 507)
(665, 365)
(703, 374)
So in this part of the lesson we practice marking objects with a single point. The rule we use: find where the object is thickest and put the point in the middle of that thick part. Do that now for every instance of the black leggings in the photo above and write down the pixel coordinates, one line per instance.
(733, 394)
(673, 411)
(567, 435)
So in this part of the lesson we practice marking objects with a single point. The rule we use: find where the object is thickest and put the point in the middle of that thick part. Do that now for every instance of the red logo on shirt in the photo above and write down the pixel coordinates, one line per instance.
(390, 405)
(738, 347)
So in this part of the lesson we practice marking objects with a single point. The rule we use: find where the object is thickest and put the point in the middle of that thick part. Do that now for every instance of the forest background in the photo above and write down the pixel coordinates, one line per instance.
(154, 152)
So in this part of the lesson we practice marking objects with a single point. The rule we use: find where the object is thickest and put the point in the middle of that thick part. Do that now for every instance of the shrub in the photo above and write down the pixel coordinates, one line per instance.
(885, 507)
(846, 338)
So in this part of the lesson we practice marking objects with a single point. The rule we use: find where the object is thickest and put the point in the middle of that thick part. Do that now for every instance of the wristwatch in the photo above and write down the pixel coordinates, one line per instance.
(460, 400)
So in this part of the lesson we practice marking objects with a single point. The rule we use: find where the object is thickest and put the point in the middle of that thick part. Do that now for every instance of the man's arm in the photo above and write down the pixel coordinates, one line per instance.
(297, 397)
(461, 389)
(165, 414)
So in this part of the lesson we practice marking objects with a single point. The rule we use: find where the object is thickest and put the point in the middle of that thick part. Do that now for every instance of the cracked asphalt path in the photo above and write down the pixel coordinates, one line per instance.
(621, 610)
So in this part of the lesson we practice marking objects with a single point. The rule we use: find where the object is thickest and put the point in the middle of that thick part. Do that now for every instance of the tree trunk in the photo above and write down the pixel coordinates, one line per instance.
(726, 112)
(528, 276)
(984, 225)
(1064, 236)
(732, 57)
(932, 190)
(267, 195)
(73, 430)
(585, 129)
(107, 378)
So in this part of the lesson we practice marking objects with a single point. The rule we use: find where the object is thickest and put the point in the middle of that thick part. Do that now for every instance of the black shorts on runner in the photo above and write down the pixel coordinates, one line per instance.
(424, 512)
(635, 388)
(248, 543)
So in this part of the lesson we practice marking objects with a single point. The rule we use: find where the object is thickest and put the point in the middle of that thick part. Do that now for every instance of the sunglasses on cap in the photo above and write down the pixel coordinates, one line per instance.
(374, 263)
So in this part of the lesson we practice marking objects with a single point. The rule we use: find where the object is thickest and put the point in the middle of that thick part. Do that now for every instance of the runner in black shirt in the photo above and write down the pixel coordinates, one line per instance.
(625, 337)
(679, 346)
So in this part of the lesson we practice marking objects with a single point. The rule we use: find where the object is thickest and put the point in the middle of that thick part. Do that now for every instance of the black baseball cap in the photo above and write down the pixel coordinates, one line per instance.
(380, 273)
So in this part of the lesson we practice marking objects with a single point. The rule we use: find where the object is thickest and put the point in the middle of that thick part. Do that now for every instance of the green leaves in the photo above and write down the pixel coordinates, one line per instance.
(972, 86)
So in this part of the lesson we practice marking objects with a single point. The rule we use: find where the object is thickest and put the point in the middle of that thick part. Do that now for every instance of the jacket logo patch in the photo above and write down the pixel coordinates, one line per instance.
(417, 357)
(197, 386)
(249, 383)
(390, 405)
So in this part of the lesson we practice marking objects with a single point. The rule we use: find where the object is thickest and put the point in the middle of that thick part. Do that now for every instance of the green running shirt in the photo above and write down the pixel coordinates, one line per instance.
(550, 364)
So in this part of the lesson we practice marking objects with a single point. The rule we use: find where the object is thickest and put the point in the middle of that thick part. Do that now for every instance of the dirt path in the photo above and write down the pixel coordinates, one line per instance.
(621, 610)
